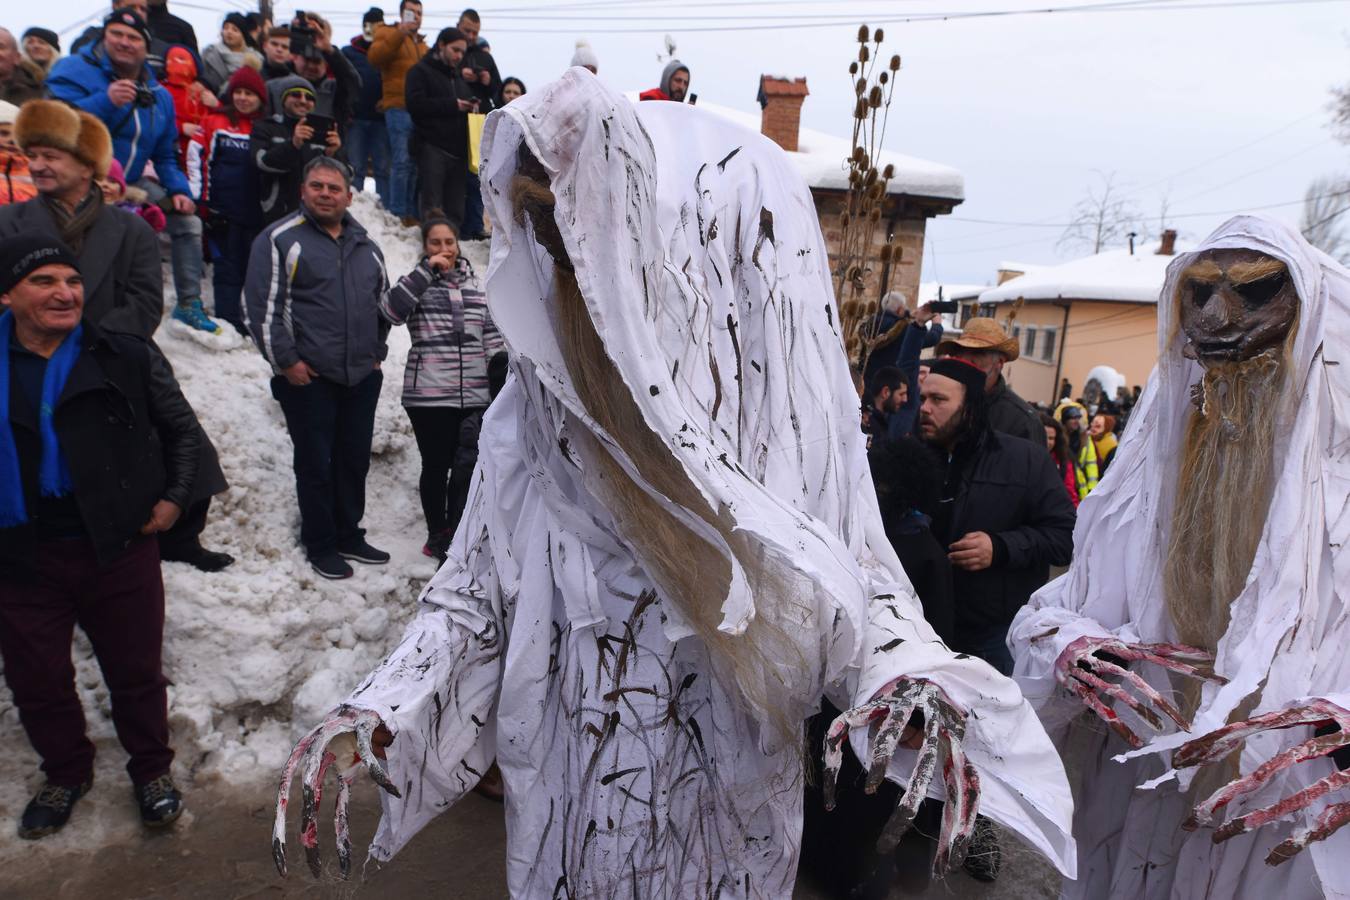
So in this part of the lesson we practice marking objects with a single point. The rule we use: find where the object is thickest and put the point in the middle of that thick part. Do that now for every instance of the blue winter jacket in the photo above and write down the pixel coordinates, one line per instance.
(140, 133)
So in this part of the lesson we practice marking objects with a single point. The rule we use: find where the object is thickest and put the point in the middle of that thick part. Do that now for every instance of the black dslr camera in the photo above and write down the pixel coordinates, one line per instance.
(144, 96)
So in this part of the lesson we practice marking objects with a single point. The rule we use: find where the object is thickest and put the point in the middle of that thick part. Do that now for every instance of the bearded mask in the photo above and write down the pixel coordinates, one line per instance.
(1235, 304)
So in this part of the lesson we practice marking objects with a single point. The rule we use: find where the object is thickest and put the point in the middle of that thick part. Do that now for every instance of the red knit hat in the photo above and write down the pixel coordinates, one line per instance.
(246, 77)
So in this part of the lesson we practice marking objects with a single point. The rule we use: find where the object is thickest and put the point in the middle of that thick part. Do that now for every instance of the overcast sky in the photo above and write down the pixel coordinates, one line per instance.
(1217, 109)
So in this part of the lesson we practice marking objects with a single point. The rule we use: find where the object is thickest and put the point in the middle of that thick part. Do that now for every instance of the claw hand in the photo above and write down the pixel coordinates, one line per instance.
(346, 740)
(1218, 744)
(1085, 665)
(943, 727)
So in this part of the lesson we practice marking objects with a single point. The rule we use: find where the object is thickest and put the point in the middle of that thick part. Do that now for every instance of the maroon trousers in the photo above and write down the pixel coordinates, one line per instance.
(120, 607)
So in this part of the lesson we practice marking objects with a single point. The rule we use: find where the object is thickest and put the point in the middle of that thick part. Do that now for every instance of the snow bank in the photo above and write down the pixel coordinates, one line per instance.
(256, 653)
(1115, 275)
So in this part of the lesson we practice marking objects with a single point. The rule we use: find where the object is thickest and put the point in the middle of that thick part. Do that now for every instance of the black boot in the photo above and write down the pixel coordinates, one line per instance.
(160, 801)
(200, 558)
(49, 811)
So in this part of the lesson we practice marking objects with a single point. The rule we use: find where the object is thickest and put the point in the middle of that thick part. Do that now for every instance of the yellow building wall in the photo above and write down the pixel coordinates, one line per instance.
(1120, 335)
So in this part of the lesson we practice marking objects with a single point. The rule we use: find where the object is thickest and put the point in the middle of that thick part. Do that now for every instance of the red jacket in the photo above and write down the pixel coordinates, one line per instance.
(654, 94)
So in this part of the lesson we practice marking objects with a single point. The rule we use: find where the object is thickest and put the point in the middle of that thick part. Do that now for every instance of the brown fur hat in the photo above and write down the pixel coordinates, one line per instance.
(50, 123)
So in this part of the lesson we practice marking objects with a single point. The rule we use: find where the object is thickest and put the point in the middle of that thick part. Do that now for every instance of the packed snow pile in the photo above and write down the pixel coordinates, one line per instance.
(257, 652)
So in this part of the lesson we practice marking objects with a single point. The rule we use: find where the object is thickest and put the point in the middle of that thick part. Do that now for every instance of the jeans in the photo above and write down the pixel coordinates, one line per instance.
(331, 428)
(120, 607)
(185, 236)
(441, 178)
(230, 244)
(437, 432)
(993, 649)
(368, 145)
(473, 208)
(402, 175)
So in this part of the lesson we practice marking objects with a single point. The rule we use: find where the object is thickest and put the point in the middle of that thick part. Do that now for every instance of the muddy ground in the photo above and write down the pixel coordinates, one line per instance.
(220, 849)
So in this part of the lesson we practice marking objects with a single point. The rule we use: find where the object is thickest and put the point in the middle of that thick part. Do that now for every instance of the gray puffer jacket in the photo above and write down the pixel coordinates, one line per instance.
(313, 298)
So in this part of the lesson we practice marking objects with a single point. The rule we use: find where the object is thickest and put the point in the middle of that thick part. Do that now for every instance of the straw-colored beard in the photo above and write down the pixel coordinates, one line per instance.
(1223, 493)
(766, 666)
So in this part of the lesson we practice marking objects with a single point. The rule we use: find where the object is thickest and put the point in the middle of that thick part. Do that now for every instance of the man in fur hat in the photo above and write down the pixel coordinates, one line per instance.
(985, 345)
(119, 261)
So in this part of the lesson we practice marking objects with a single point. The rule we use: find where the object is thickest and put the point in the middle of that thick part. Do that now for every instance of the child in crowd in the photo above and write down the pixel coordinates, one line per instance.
(191, 100)
(16, 185)
(225, 179)
(132, 199)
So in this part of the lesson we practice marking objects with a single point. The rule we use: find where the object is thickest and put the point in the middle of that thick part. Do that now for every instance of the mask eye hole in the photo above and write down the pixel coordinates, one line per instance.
(1256, 294)
(1200, 292)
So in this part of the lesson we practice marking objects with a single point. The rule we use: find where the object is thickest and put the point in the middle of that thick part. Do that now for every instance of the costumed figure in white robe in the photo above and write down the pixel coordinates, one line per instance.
(1209, 587)
(672, 548)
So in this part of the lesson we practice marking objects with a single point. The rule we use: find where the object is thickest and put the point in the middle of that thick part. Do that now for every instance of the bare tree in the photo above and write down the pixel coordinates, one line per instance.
(1103, 218)
(1340, 112)
(1326, 216)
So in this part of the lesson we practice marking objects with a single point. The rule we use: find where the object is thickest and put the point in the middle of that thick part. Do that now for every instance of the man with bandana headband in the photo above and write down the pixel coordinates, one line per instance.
(671, 549)
(1203, 620)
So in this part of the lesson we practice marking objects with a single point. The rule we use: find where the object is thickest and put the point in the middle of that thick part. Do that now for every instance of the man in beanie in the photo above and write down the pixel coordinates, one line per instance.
(985, 345)
(68, 151)
(1004, 516)
(41, 48)
(98, 453)
(585, 57)
(367, 135)
(112, 81)
(18, 83)
(285, 142)
(16, 184)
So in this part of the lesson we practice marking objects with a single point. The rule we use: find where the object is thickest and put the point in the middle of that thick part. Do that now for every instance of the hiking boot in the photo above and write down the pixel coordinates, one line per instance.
(330, 565)
(359, 551)
(49, 811)
(193, 315)
(437, 545)
(984, 858)
(160, 802)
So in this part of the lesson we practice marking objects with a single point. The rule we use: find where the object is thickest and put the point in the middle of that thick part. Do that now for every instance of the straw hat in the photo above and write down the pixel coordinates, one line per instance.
(982, 334)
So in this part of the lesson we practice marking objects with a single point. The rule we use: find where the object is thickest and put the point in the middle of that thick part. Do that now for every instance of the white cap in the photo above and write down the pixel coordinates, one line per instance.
(8, 113)
(585, 56)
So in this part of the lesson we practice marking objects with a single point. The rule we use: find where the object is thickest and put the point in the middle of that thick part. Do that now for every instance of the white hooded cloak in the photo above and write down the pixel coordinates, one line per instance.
(629, 769)
(1289, 636)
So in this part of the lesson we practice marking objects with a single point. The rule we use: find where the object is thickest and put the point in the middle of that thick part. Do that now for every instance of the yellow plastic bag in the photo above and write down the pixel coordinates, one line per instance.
(476, 121)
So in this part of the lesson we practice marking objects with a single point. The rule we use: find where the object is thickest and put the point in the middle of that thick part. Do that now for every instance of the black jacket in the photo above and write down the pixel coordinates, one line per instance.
(1009, 489)
(280, 164)
(432, 91)
(127, 433)
(367, 107)
(1010, 414)
(123, 283)
(171, 29)
(477, 58)
(336, 94)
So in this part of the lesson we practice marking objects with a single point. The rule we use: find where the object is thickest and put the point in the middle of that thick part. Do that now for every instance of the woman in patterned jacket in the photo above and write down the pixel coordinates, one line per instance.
(446, 379)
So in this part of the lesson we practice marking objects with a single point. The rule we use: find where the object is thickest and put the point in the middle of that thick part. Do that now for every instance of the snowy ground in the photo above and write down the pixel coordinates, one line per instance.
(256, 653)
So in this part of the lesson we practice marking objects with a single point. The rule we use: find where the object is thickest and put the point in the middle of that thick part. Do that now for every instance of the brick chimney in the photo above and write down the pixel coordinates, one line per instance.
(1168, 247)
(781, 102)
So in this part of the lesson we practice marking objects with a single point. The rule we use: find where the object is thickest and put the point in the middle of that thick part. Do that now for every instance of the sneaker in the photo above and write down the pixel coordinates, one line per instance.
(49, 811)
(193, 315)
(984, 858)
(359, 551)
(160, 802)
(330, 565)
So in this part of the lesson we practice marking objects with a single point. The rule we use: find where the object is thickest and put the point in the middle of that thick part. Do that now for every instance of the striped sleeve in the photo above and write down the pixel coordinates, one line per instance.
(267, 294)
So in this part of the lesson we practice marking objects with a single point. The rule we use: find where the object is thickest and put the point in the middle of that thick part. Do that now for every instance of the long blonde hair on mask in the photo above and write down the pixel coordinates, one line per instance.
(1223, 491)
(763, 665)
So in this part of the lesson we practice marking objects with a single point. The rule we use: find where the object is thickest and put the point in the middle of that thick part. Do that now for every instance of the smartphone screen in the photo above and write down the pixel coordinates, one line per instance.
(409, 16)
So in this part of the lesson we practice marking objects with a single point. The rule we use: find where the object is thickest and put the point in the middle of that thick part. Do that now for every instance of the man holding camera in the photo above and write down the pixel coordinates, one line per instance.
(394, 50)
(329, 73)
(283, 144)
(112, 81)
(439, 101)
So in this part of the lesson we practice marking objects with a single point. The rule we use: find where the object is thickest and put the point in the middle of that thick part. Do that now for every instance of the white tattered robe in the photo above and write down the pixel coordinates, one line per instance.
(629, 770)
(1289, 626)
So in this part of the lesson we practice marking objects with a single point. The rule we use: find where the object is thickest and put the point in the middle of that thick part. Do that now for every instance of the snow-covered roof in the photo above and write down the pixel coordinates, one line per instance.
(1115, 275)
(821, 158)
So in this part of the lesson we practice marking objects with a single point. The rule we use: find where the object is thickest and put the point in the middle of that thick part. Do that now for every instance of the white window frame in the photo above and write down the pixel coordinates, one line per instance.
(1031, 332)
(1049, 343)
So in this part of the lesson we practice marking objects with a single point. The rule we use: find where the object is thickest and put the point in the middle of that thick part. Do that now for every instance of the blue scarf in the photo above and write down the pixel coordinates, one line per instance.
(54, 477)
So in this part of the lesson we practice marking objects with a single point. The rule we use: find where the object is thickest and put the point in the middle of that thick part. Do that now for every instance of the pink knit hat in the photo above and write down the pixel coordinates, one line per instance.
(116, 174)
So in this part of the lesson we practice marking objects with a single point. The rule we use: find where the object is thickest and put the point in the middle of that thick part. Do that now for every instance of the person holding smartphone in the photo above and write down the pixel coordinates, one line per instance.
(283, 144)
(439, 102)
